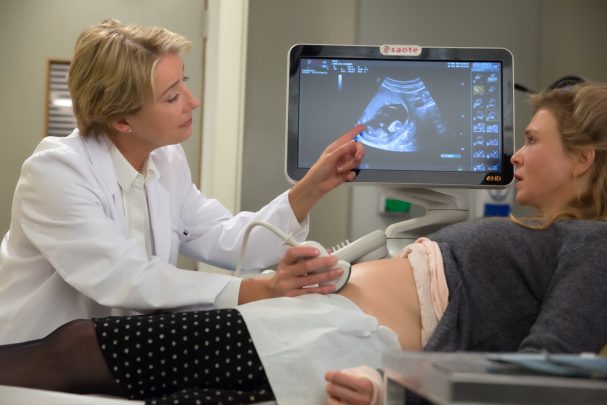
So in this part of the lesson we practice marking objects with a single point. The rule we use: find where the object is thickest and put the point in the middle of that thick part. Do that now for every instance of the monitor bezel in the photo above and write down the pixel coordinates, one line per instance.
(406, 178)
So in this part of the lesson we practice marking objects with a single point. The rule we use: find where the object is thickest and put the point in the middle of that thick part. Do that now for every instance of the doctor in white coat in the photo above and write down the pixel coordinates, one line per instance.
(99, 217)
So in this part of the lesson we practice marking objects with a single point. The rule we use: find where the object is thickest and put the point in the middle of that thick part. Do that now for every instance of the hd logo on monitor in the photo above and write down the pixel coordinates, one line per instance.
(493, 178)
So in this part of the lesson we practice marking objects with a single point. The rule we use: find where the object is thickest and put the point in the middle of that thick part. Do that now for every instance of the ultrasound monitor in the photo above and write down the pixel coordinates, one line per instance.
(440, 117)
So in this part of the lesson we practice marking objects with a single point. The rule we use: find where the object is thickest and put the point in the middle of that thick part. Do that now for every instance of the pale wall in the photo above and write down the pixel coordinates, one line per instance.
(274, 26)
(572, 40)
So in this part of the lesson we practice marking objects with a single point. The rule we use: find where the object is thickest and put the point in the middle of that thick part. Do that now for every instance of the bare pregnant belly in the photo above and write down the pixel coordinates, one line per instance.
(386, 289)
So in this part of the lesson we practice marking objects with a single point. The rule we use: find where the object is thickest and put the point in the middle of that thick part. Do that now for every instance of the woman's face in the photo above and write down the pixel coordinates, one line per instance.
(543, 169)
(167, 120)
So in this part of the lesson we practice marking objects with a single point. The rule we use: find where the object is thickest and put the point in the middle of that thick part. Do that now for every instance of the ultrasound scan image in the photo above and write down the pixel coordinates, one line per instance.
(399, 113)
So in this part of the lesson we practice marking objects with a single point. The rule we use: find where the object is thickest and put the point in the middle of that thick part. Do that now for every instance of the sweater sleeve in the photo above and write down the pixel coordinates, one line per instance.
(572, 315)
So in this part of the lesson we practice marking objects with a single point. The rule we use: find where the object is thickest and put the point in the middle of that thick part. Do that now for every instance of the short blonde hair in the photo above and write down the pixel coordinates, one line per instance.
(111, 74)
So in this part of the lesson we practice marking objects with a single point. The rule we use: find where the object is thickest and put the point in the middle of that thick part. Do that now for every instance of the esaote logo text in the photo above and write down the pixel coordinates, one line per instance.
(401, 50)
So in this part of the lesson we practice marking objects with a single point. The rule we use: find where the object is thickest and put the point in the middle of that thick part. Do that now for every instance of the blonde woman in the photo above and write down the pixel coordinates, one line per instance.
(100, 216)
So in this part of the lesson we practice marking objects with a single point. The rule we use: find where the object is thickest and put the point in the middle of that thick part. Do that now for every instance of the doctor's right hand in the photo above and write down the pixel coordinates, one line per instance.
(303, 271)
(300, 271)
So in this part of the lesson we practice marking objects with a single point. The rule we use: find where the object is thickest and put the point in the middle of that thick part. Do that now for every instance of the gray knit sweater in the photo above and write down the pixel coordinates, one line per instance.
(517, 289)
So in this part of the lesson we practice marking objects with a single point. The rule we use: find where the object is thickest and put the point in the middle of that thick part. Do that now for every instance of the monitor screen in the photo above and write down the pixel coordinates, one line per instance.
(442, 117)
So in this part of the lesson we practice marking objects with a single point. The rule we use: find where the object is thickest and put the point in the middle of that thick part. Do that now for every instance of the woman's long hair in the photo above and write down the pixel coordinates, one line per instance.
(581, 115)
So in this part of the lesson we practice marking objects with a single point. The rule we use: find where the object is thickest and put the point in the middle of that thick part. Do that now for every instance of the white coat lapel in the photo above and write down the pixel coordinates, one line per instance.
(98, 150)
(159, 204)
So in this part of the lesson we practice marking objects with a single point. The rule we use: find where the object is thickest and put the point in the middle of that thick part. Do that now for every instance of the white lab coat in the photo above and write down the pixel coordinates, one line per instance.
(67, 256)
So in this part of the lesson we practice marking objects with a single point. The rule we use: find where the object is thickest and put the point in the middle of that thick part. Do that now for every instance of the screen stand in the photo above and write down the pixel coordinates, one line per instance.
(442, 209)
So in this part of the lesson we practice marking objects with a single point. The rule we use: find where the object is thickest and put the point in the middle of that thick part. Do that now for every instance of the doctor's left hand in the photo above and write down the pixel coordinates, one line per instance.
(300, 271)
(336, 165)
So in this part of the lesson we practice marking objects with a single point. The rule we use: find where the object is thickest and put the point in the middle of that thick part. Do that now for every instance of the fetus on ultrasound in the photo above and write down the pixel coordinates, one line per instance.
(398, 115)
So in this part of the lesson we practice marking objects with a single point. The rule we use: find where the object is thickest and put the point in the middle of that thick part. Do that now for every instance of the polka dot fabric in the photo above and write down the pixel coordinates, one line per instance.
(204, 357)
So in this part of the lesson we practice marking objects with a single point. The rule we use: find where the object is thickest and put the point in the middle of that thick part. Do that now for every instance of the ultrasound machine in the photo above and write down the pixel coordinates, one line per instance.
(434, 118)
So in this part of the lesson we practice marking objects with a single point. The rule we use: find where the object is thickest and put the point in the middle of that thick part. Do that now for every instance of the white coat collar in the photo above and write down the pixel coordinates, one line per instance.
(98, 150)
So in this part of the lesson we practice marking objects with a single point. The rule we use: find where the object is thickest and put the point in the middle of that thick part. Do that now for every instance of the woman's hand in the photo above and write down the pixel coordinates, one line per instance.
(345, 388)
(335, 165)
(300, 271)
